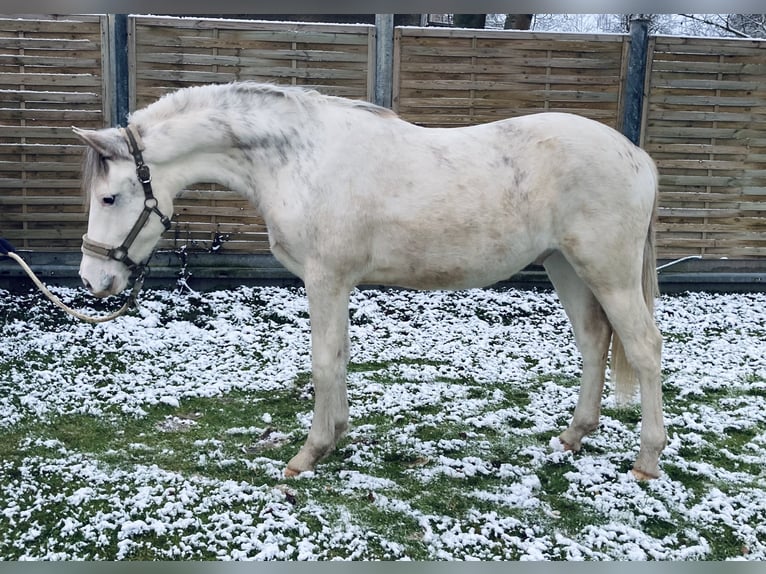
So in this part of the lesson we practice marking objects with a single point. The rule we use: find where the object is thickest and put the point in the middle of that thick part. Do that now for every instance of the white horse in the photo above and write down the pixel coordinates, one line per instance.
(352, 194)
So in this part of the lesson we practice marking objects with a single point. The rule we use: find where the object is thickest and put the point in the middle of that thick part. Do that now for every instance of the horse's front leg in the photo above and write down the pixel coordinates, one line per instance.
(328, 309)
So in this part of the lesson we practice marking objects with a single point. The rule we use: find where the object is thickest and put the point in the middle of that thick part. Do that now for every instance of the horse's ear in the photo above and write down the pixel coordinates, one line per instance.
(108, 142)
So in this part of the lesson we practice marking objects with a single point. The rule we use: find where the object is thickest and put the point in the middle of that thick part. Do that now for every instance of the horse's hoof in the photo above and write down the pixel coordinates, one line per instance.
(291, 472)
(642, 476)
(558, 444)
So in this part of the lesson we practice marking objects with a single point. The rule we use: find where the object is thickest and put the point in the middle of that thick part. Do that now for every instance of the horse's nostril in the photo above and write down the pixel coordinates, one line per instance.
(87, 284)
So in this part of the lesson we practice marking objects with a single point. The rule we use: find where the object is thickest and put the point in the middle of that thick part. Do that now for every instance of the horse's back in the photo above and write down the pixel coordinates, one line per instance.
(547, 156)
(576, 149)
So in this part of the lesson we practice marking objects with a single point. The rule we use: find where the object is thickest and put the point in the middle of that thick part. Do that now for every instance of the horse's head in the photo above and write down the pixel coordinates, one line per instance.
(125, 217)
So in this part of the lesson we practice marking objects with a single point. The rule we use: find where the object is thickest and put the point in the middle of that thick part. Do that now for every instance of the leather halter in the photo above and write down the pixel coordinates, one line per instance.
(120, 253)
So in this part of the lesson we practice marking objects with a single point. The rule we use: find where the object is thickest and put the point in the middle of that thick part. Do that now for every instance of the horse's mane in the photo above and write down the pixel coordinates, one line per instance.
(241, 94)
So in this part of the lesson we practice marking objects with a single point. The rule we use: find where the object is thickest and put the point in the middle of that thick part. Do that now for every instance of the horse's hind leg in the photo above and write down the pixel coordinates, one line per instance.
(617, 284)
(592, 334)
(328, 309)
(634, 324)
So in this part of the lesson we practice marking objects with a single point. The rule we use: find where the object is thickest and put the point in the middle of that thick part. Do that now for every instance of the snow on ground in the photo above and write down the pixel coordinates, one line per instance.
(430, 360)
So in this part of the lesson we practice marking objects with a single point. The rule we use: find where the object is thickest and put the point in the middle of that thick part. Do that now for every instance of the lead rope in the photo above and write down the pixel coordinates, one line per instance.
(131, 302)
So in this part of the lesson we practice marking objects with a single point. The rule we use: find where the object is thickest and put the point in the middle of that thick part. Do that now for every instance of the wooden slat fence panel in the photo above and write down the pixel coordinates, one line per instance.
(50, 78)
(446, 77)
(170, 53)
(705, 126)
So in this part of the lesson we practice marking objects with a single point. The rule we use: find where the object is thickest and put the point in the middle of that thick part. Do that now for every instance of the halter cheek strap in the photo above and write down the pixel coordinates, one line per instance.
(90, 247)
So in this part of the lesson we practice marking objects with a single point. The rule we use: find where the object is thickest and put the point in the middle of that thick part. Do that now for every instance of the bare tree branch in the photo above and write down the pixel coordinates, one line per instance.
(754, 24)
(722, 26)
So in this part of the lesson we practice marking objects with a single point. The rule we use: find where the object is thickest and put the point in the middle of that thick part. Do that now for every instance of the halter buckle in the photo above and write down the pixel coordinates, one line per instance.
(144, 176)
(119, 253)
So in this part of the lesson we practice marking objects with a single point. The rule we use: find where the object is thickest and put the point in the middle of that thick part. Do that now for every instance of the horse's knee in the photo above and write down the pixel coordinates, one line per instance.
(327, 371)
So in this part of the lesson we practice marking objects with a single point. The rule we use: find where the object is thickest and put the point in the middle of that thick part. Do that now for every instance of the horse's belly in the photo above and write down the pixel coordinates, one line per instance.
(440, 268)
(429, 278)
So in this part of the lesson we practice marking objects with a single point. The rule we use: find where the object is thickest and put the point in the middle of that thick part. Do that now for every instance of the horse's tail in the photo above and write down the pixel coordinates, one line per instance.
(623, 374)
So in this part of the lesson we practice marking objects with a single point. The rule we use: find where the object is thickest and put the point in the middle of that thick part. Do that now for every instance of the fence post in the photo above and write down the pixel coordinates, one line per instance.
(384, 59)
(636, 74)
(118, 50)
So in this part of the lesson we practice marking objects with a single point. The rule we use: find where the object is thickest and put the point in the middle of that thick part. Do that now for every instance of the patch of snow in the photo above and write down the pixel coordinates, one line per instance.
(435, 360)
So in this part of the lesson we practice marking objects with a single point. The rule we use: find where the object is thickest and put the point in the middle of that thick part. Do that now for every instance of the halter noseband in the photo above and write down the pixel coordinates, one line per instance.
(120, 253)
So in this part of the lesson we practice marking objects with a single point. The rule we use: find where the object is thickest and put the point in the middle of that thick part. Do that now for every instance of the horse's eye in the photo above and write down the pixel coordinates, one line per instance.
(108, 200)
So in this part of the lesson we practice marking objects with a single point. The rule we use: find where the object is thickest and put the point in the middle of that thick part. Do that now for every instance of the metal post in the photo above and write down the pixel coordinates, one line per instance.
(384, 59)
(634, 82)
(121, 82)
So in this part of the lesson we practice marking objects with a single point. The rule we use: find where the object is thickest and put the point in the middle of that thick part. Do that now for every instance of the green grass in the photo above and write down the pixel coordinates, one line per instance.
(206, 447)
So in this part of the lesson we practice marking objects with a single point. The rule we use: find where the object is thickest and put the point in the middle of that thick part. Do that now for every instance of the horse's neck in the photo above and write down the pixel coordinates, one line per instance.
(241, 149)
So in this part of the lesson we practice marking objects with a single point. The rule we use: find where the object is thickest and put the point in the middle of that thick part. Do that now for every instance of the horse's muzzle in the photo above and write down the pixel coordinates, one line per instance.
(103, 278)
(100, 292)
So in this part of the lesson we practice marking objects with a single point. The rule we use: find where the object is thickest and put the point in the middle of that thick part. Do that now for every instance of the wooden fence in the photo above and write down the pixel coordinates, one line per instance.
(704, 120)
(446, 77)
(50, 78)
(705, 126)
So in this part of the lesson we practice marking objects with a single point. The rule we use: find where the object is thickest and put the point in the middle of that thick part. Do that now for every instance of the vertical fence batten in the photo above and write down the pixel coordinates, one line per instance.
(119, 46)
(634, 81)
(384, 56)
(695, 104)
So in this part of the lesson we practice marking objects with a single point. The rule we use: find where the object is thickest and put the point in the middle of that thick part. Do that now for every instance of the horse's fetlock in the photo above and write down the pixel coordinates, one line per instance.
(571, 441)
(587, 426)
(579, 428)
